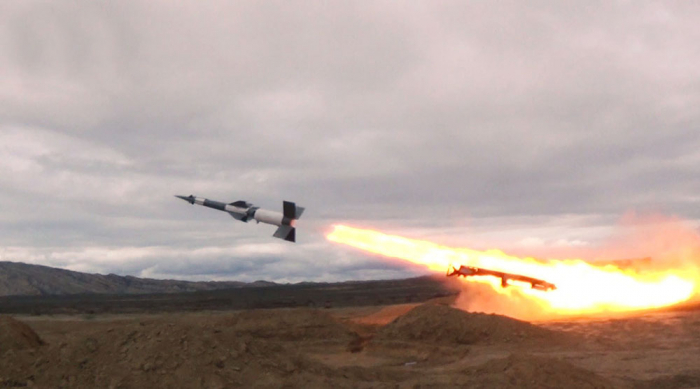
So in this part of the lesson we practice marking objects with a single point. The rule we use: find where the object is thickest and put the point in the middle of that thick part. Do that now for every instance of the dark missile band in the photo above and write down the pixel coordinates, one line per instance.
(214, 204)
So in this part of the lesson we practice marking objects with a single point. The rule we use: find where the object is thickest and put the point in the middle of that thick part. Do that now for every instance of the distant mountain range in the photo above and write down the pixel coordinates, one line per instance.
(21, 279)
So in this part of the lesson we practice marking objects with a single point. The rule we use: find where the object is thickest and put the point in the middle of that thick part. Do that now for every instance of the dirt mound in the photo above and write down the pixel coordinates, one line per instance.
(439, 324)
(290, 324)
(169, 352)
(255, 349)
(15, 335)
(529, 371)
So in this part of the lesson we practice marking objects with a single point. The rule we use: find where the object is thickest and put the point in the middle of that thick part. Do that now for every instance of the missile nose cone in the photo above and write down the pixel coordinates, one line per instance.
(189, 199)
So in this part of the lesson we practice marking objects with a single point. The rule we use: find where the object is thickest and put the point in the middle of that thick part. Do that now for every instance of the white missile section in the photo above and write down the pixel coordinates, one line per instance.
(244, 211)
(269, 217)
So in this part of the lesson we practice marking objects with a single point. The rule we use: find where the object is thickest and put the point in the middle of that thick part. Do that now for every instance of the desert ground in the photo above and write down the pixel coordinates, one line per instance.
(416, 345)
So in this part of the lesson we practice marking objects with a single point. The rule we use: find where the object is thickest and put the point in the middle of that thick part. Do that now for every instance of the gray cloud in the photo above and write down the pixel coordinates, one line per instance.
(436, 118)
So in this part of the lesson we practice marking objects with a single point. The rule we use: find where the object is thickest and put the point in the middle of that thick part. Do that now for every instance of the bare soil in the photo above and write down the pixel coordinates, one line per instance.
(407, 346)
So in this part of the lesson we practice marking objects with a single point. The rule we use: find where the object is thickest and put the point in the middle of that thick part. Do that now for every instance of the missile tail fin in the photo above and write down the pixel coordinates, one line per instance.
(287, 233)
(291, 211)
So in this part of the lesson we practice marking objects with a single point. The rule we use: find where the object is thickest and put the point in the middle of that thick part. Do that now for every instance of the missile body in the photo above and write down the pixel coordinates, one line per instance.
(244, 211)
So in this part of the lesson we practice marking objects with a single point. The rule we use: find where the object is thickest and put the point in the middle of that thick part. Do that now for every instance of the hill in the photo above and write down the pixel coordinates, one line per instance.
(21, 279)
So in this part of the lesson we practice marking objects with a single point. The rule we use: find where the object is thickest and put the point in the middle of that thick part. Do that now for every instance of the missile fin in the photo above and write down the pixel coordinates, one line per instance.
(287, 233)
(291, 211)
(238, 216)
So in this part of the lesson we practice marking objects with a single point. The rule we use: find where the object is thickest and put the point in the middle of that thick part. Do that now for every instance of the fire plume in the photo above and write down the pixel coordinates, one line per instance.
(582, 287)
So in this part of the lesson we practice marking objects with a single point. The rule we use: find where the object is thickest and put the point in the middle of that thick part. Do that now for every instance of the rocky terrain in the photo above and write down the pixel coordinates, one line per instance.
(370, 334)
(408, 345)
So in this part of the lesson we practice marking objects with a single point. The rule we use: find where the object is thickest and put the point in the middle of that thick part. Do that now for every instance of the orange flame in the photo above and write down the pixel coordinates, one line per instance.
(582, 288)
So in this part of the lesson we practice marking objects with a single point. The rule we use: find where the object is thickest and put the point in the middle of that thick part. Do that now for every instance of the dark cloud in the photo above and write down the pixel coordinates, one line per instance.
(430, 118)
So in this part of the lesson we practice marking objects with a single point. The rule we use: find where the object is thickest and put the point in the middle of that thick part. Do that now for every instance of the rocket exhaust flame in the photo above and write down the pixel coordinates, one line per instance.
(581, 287)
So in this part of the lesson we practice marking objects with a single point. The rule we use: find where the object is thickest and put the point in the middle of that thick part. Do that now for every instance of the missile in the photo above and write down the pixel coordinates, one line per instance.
(245, 211)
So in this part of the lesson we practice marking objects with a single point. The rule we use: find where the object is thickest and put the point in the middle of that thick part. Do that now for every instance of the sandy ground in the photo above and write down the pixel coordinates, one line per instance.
(407, 345)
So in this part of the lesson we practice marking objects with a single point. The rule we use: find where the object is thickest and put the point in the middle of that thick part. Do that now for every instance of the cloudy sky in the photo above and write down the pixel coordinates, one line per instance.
(518, 125)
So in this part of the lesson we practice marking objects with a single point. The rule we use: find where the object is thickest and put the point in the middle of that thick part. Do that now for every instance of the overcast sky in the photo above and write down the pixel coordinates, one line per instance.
(481, 124)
